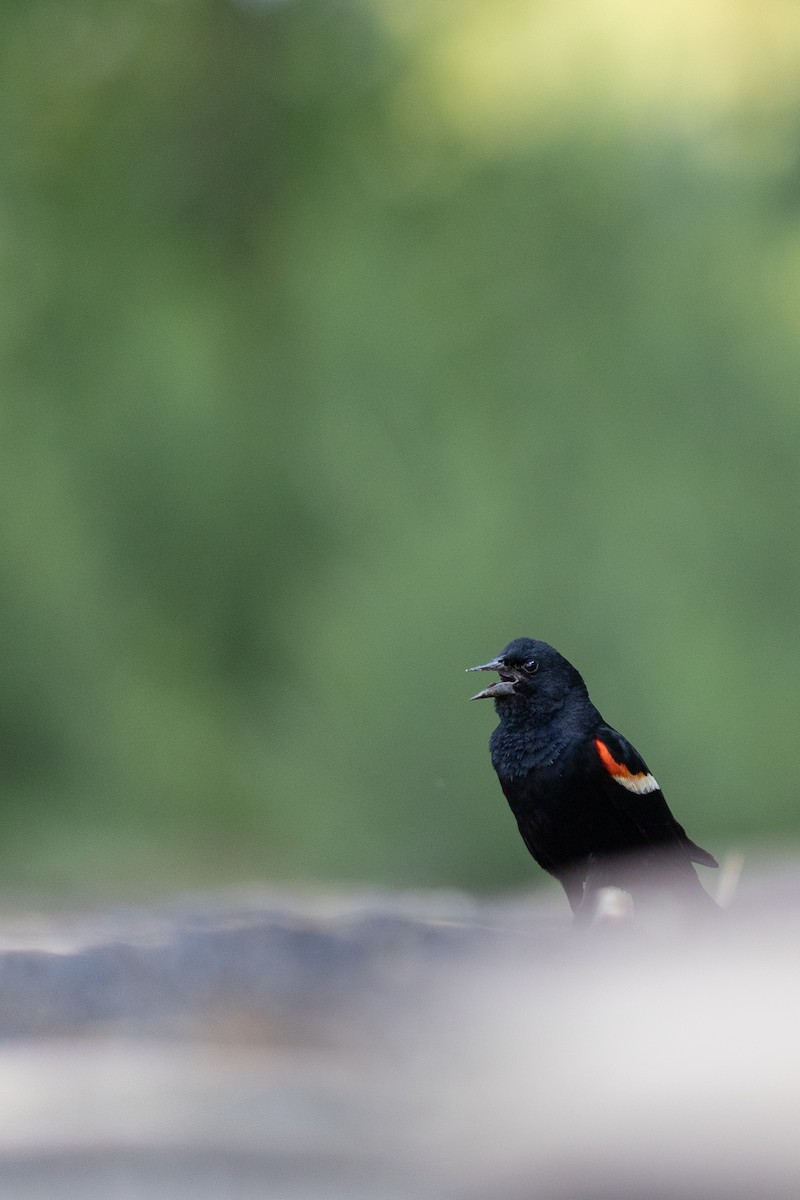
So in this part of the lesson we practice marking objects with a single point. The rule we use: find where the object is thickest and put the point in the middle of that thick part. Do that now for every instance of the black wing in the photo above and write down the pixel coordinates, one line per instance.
(636, 795)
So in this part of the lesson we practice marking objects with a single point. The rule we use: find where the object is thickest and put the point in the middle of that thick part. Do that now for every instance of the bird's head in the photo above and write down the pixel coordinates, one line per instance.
(529, 671)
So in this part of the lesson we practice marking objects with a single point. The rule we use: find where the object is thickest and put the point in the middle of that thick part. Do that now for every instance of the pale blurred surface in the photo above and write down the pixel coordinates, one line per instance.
(400, 1046)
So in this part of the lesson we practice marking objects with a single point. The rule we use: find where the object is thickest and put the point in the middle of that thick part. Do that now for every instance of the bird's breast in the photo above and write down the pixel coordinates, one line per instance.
(514, 756)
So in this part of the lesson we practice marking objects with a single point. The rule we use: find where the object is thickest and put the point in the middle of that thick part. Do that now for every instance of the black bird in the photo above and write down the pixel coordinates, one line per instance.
(586, 804)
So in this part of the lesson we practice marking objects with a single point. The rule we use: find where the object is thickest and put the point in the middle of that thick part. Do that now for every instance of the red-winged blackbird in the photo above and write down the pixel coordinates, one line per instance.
(586, 804)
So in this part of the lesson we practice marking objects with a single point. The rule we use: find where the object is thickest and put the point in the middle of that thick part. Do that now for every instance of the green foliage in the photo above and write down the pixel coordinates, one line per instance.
(315, 395)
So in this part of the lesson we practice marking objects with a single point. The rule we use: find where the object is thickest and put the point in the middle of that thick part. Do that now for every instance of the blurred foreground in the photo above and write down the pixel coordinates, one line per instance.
(398, 1046)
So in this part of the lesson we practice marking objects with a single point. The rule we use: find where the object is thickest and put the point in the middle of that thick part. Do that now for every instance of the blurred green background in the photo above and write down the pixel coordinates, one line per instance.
(345, 340)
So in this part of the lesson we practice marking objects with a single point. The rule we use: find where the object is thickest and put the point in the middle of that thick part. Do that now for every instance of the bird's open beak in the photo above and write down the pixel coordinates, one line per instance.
(503, 687)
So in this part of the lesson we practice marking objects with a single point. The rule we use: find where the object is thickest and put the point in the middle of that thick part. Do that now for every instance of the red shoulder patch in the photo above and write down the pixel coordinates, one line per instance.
(635, 781)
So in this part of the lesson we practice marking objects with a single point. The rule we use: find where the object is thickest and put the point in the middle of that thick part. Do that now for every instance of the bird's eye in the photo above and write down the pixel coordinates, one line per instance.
(531, 665)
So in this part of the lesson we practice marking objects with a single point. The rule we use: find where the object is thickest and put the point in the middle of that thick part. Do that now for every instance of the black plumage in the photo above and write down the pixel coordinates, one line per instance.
(587, 807)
